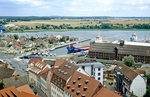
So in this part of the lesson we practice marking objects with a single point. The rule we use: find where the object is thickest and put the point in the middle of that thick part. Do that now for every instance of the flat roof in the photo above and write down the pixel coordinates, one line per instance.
(95, 64)
(132, 43)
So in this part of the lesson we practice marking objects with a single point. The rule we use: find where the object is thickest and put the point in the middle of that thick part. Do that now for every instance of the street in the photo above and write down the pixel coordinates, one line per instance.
(19, 65)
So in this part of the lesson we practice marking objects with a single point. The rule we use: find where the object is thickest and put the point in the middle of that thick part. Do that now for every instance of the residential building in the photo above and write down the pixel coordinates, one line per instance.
(94, 69)
(43, 77)
(35, 72)
(61, 76)
(4, 66)
(82, 86)
(48, 80)
(56, 64)
(129, 82)
(33, 61)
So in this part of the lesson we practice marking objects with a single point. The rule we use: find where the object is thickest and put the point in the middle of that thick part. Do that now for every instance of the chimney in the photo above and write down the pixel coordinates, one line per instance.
(121, 42)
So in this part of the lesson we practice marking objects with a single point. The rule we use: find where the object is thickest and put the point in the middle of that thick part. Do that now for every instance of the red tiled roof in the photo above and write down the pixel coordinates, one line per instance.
(25, 88)
(83, 84)
(34, 60)
(24, 94)
(45, 70)
(104, 92)
(140, 71)
(39, 68)
(18, 47)
(66, 70)
(9, 92)
(59, 62)
(22, 42)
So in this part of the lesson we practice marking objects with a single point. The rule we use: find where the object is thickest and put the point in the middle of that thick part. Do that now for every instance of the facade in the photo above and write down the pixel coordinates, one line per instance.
(94, 69)
(43, 77)
(38, 74)
(118, 49)
(48, 80)
(128, 82)
(60, 77)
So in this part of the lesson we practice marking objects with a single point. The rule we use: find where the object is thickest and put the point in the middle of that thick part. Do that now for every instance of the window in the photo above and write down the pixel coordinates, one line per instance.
(79, 77)
(86, 81)
(98, 74)
(99, 69)
(74, 81)
(77, 93)
(83, 67)
(79, 85)
(98, 78)
(85, 88)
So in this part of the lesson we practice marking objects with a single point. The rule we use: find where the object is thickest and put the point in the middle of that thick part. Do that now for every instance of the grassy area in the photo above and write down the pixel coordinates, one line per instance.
(79, 22)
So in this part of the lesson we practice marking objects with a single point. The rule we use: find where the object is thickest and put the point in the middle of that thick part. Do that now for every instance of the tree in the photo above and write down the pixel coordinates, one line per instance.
(32, 38)
(147, 93)
(1, 85)
(148, 81)
(16, 36)
(128, 60)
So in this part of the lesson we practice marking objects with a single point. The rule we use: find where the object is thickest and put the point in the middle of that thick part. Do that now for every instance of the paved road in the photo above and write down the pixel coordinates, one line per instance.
(19, 65)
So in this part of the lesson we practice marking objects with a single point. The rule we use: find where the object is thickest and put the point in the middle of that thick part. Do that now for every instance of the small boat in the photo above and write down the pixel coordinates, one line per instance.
(51, 49)
(72, 49)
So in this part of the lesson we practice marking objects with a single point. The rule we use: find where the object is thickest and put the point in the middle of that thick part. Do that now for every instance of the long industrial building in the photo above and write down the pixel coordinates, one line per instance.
(118, 49)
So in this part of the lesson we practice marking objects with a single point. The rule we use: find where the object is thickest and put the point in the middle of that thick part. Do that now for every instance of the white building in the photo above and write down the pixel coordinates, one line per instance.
(98, 39)
(129, 82)
(94, 69)
(9, 25)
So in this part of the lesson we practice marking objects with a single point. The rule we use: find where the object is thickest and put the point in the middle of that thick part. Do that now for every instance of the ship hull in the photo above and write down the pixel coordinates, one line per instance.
(78, 49)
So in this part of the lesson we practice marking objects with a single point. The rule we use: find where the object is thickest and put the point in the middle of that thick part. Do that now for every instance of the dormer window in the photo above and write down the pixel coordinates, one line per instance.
(62, 71)
(78, 92)
(86, 81)
(69, 67)
(68, 86)
(79, 77)
(59, 70)
(79, 85)
(74, 81)
(65, 73)
(73, 89)
(85, 88)
(83, 95)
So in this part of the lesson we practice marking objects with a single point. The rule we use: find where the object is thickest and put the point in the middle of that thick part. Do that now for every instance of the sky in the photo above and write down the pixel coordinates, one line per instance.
(119, 8)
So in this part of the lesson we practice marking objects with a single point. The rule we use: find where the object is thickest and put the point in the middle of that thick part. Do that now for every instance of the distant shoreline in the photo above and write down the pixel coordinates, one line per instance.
(63, 30)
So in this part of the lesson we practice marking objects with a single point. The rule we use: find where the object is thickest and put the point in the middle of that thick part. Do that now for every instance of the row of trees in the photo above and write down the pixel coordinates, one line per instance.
(100, 26)
(68, 26)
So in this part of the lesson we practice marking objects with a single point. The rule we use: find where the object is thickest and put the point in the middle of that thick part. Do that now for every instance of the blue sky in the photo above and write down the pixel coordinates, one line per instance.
(75, 8)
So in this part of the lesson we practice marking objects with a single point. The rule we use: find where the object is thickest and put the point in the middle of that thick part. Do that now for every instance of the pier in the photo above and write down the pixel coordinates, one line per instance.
(67, 44)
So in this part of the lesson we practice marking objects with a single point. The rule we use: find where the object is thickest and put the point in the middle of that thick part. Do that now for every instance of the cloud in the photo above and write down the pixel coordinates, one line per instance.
(33, 2)
(77, 7)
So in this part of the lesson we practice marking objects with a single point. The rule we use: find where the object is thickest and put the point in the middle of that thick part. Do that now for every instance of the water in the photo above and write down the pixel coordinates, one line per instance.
(111, 35)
